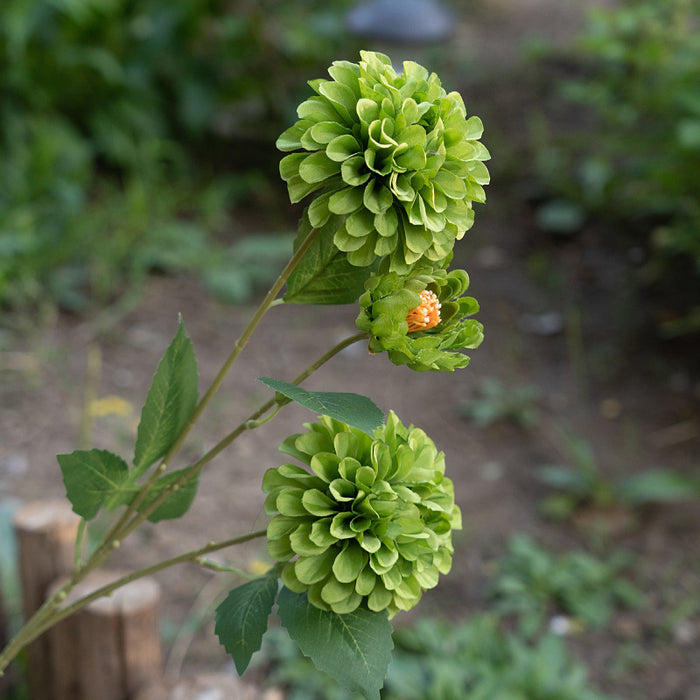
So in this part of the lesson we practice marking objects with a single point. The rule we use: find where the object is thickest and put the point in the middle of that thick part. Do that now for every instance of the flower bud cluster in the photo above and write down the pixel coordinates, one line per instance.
(394, 166)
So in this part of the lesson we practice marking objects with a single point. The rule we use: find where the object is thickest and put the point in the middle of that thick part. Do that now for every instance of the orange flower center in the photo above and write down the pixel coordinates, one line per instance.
(425, 316)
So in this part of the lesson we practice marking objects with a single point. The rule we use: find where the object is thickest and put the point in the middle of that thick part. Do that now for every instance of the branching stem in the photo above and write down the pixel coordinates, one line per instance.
(125, 524)
(50, 613)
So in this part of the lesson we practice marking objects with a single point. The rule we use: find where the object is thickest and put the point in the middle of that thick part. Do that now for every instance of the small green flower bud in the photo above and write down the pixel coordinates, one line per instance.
(369, 523)
(420, 319)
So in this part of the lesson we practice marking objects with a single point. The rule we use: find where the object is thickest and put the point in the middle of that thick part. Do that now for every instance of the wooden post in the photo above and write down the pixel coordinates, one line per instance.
(111, 648)
(8, 680)
(46, 532)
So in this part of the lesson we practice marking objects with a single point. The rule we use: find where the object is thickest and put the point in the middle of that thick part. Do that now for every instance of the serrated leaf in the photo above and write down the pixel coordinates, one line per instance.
(324, 275)
(93, 479)
(354, 409)
(354, 648)
(177, 504)
(241, 620)
(170, 402)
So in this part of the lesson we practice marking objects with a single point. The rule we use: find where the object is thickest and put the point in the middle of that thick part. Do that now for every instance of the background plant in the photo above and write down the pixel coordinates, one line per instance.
(474, 659)
(583, 483)
(497, 402)
(636, 98)
(533, 585)
(112, 120)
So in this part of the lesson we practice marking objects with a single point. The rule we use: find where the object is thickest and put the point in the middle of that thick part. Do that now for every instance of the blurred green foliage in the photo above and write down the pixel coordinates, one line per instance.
(497, 401)
(583, 484)
(127, 129)
(533, 585)
(636, 157)
(478, 660)
(470, 660)
(508, 653)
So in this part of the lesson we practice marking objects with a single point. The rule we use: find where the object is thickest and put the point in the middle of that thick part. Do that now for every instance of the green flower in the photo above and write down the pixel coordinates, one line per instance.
(370, 524)
(394, 155)
(420, 319)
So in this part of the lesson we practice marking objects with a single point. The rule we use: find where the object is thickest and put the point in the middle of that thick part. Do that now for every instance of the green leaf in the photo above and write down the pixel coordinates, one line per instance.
(324, 275)
(560, 216)
(353, 409)
(289, 140)
(656, 486)
(348, 565)
(177, 504)
(566, 478)
(241, 620)
(367, 110)
(377, 198)
(346, 200)
(474, 129)
(170, 402)
(354, 171)
(342, 147)
(317, 503)
(450, 184)
(316, 167)
(354, 648)
(93, 479)
(559, 506)
(342, 97)
(325, 132)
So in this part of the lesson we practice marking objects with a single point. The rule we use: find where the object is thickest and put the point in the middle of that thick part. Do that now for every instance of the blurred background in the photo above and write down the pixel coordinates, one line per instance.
(105, 104)
(138, 180)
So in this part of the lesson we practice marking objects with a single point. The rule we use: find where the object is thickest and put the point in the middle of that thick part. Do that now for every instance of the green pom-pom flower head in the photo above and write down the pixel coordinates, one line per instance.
(421, 319)
(370, 524)
(394, 155)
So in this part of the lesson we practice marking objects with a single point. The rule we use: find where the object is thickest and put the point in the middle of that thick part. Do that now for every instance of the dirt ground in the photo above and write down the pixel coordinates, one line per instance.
(572, 328)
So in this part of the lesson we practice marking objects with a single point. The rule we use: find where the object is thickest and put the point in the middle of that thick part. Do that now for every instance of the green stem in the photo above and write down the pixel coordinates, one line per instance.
(123, 527)
(78, 556)
(154, 568)
(250, 423)
(242, 341)
(224, 568)
(42, 620)
(351, 340)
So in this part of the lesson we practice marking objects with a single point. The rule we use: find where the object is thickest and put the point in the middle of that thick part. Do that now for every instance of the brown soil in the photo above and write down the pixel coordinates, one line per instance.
(633, 398)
